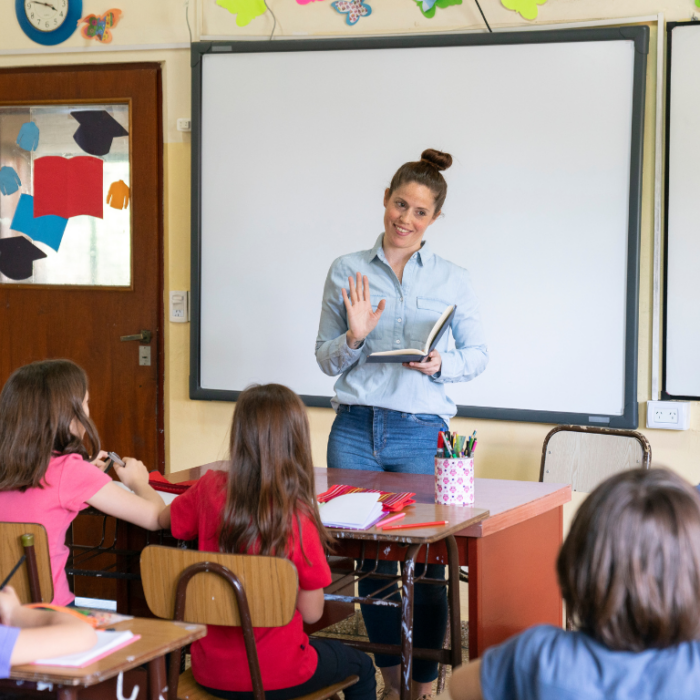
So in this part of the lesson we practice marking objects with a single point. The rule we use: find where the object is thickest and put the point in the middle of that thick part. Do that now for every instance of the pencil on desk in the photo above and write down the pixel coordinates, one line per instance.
(406, 526)
(390, 519)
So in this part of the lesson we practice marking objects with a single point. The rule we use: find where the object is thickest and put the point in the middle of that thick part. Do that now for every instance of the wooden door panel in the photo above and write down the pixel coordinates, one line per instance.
(84, 324)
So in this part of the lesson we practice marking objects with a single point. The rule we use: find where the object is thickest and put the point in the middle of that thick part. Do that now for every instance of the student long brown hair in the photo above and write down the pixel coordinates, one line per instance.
(271, 476)
(38, 404)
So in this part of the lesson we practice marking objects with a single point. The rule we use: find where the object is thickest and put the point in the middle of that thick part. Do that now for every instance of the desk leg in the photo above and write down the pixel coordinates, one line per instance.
(407, 581)
(454, 604)
(157, 685)
(512, 580)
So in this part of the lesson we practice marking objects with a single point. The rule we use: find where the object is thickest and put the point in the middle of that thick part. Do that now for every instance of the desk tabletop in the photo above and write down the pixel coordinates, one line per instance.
(507, 502)
(158, 637)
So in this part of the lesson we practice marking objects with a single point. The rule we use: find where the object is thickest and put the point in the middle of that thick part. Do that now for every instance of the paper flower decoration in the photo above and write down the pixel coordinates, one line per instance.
(245, 10)
(525, 8)
(428, 7)
(98, 26)
(353, 10)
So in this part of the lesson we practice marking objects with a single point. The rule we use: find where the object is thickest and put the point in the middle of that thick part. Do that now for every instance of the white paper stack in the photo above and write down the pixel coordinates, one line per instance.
(107, 643)
(356, 511)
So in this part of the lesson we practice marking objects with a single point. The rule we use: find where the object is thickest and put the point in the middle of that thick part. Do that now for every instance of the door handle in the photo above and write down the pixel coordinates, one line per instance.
(143, 336)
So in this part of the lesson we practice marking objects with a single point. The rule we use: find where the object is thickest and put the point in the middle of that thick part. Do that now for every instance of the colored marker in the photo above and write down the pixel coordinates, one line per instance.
(406, 526)
(390, 519)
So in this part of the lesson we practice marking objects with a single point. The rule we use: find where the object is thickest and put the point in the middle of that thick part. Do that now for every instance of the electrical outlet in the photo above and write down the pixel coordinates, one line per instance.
(179, 307)
(668, 415)
(184, 125)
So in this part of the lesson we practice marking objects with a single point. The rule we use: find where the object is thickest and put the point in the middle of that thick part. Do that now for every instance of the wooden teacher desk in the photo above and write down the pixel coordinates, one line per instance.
(511, 554)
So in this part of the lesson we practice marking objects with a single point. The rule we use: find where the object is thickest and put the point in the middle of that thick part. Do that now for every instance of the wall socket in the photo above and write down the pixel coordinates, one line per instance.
(179, 307)
(668, 415)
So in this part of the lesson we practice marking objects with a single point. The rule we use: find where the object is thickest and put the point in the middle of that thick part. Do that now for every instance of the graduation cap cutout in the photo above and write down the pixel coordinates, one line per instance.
(17, 256)
(96, 131)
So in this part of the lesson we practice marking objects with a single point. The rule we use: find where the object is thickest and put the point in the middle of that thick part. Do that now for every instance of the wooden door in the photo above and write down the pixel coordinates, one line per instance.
(84, 324)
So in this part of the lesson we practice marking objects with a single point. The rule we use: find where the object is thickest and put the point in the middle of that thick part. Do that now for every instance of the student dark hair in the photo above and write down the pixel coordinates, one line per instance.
(426, 171)
(271, 481)
(38, 405)
(630, 568)
(630, 575)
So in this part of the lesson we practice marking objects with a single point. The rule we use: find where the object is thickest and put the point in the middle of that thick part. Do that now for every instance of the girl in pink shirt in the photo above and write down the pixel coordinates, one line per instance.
(47, 476)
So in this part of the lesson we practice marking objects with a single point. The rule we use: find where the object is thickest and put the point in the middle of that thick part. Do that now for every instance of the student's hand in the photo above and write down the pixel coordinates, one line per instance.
(133, 474)
(9, 603)
(361, 319)
(101, 460)
(431, 366)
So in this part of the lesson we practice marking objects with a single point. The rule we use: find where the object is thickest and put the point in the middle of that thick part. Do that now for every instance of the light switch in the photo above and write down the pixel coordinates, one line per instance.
(179, 307)
(145, 355)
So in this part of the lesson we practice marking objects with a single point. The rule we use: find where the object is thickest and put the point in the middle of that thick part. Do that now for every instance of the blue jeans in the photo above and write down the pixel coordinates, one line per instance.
(377, 439)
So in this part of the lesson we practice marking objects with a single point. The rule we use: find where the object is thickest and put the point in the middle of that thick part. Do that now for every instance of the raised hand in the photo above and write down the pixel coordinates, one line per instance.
(361, 319)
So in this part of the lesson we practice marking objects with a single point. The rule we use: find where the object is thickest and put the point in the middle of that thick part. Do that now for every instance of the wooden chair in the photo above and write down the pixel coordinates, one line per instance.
(583, 456)
(238, 590)
(32, 581)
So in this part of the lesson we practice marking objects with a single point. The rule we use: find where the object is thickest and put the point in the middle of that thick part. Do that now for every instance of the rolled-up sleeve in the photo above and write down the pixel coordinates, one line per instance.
(470, 356)
(333, 354)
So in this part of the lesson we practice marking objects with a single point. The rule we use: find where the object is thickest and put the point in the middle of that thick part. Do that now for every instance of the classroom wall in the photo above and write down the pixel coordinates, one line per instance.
(196, 431)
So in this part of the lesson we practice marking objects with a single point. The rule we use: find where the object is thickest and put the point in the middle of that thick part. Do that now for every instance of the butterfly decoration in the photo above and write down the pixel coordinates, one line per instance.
(353, 10)
(245, 10)
(428, 7)
(98, 26)
(527, 9)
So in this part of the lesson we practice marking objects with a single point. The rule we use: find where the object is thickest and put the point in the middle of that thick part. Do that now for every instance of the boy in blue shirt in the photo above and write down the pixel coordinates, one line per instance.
(27, 635)
(629, 571)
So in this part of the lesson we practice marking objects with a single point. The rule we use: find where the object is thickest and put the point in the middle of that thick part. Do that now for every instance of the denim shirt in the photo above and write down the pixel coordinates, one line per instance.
(430, 284)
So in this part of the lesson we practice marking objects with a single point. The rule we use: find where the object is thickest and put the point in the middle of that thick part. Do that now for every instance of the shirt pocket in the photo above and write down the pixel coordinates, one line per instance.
(427, 312)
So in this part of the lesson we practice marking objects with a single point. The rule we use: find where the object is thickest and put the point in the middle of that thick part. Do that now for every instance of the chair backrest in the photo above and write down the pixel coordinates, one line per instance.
(270, 584)
(12, 550)
(583, 456)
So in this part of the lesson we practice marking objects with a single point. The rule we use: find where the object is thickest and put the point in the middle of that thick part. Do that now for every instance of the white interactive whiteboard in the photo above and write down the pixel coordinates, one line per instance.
(682, 278)
(294, 143)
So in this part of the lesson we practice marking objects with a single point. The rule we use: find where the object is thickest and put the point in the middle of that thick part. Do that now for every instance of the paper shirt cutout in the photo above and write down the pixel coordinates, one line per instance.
(68, 186)
(28, 137)
(354, 9)
(98, 26)
(9, 180)
(245, 10)
(96, 131)
(118, 195)
(525, 8)
(17, 256)
(47, 229)
(442, 4)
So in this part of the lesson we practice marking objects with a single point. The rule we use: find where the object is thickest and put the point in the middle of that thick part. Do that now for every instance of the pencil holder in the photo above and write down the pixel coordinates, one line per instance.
(454, 481)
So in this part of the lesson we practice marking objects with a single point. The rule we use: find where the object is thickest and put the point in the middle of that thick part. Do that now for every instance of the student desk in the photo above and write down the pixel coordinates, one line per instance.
(511, 554)
(158, 637)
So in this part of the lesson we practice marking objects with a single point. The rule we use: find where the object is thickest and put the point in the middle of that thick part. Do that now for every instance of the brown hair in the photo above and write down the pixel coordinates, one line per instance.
(37, 406)
(425, 171)
(271, 474)
(629, 569)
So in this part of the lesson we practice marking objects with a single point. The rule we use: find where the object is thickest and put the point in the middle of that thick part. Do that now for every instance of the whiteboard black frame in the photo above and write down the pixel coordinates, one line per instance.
(638, 34)
(665, 396)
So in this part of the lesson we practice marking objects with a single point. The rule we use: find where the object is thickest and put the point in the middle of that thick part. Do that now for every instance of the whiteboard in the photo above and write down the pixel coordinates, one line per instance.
(296, 142)
(682, 342)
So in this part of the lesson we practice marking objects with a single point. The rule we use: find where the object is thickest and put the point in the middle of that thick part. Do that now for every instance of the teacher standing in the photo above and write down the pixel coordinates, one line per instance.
(389, 414)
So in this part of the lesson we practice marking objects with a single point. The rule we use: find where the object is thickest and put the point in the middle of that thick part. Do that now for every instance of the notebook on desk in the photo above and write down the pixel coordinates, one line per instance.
(107, 643)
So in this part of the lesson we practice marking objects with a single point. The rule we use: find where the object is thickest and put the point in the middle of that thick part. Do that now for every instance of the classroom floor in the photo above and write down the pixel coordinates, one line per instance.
(354, 628)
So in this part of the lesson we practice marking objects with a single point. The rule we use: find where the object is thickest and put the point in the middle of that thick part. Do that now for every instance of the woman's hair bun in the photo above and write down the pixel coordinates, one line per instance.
(440, 160)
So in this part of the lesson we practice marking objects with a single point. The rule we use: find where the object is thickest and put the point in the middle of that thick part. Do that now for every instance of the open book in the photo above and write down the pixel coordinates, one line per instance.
(413, 355)
(107, 643)
(356, 511)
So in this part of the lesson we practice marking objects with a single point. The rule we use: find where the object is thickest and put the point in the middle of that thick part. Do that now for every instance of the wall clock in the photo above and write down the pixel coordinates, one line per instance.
(48, 22)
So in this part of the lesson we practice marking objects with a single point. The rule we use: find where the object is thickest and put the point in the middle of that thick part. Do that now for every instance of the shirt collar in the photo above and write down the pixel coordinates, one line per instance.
(424, 253)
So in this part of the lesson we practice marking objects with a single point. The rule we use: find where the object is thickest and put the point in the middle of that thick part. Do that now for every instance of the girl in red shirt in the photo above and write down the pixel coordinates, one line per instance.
(265, 504)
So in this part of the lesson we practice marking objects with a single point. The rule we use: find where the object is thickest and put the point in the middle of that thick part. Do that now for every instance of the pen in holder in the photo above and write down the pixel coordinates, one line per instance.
(454, 481)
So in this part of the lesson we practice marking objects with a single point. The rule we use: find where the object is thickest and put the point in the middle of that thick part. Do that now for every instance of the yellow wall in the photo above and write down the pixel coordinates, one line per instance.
(196, 432)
